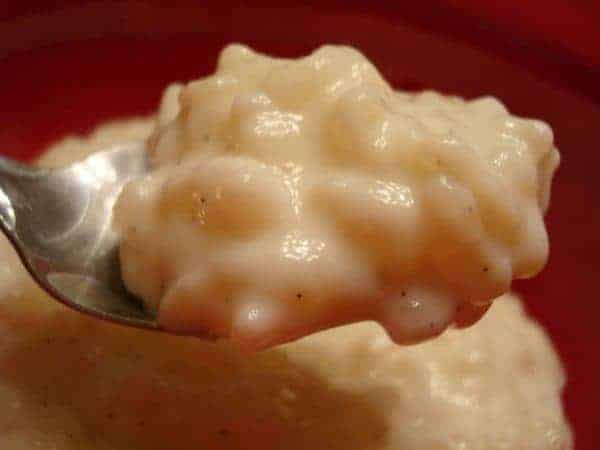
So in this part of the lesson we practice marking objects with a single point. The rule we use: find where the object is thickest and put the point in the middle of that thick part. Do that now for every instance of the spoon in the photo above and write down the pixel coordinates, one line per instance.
(60, 223)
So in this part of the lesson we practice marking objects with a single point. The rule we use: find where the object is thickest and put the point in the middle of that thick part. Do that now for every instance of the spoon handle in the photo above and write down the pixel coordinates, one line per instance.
(12, 190)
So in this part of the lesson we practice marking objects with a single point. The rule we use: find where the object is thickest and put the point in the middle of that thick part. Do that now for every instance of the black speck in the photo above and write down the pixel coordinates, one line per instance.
(202, 200)
(379, 435)
(299, 296)
(485, 269)
(224, 432)
(110, 416)
(403, 293)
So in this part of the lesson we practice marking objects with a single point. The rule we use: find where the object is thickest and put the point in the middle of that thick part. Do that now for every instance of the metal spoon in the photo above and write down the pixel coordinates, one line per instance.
(60, 223)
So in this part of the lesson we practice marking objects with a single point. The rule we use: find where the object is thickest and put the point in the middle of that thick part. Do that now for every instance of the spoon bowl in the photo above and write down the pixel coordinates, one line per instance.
(60, 223)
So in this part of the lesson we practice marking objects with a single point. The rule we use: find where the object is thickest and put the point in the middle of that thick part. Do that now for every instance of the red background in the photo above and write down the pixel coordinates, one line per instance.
(65, 66)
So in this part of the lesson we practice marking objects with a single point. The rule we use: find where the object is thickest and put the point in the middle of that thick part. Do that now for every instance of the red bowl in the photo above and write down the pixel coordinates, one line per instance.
(65, 68)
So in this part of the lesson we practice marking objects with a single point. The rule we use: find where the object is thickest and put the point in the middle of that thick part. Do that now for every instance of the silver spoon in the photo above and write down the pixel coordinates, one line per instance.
(60, 223)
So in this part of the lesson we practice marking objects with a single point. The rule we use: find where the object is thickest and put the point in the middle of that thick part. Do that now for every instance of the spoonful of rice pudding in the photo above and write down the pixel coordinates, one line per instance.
(279, 197)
